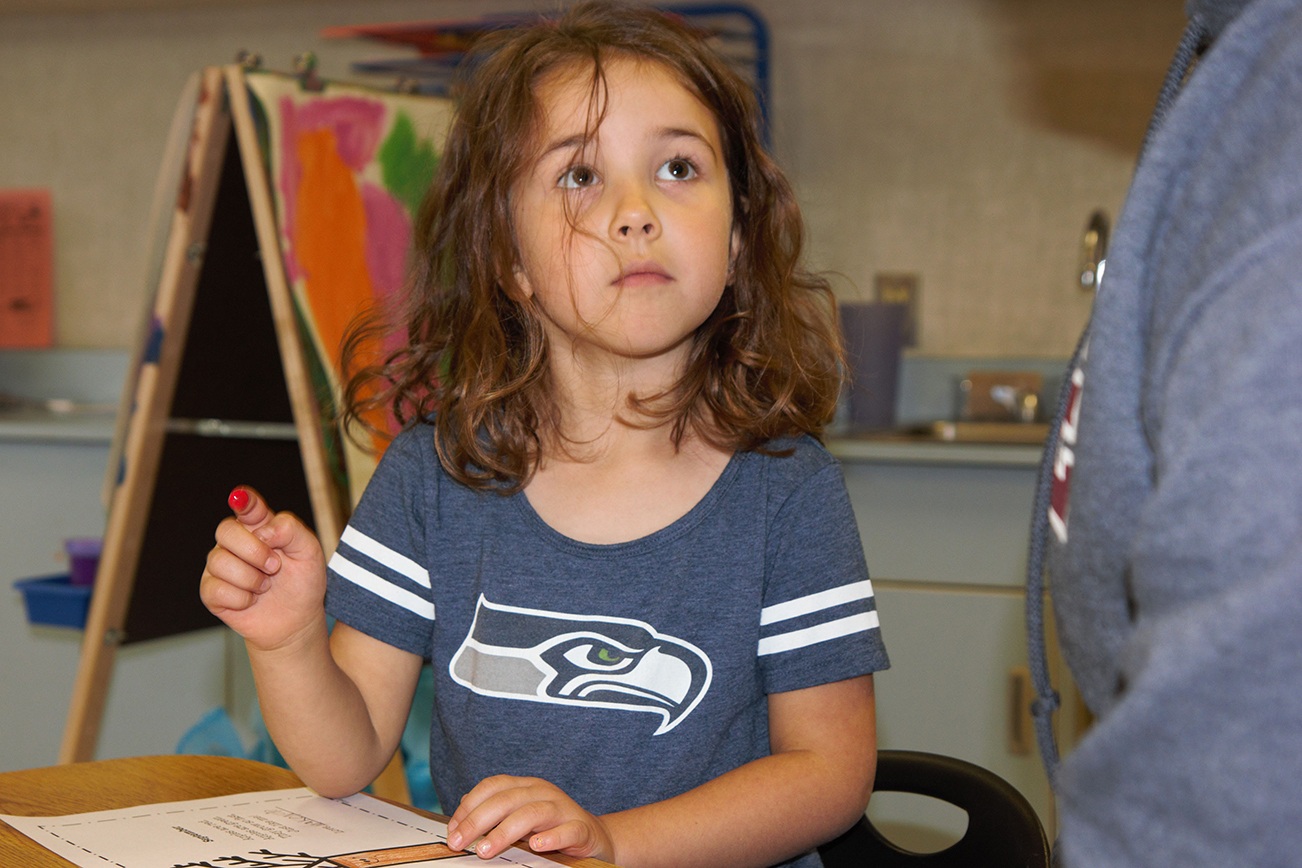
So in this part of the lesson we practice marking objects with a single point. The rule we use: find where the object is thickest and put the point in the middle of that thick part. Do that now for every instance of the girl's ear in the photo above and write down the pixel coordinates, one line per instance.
(516, 285)
(734, 250)
(522, 281)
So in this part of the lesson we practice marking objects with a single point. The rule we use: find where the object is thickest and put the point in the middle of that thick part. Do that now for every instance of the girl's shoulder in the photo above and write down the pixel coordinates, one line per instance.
(411, 472)
(415, 450)
(413, 444)
(800, 453)
(788, 463)
(411, 458)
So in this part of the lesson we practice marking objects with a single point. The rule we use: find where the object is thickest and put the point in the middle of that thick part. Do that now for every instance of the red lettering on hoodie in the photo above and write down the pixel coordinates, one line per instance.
(1065, 458)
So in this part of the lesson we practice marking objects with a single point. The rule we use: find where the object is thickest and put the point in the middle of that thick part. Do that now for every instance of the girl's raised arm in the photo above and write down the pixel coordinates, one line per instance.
(335, 704)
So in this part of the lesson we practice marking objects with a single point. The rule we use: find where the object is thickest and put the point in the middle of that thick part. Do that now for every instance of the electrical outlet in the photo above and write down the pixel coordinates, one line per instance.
(901, 288)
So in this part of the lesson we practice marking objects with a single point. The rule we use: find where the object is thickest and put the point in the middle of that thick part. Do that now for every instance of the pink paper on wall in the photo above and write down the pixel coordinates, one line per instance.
(26, 269)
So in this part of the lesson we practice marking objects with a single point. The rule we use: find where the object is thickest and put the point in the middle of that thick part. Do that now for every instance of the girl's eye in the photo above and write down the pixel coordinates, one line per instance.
(577, 177)
(677, 169)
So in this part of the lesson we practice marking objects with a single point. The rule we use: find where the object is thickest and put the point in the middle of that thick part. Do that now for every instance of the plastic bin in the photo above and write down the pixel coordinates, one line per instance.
(55, 601)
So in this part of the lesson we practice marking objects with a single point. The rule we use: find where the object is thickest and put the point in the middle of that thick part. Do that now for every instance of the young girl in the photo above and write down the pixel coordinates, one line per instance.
(606, 523)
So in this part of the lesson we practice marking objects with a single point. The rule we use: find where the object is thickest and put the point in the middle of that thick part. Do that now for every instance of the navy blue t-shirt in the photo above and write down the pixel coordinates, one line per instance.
(625, 673)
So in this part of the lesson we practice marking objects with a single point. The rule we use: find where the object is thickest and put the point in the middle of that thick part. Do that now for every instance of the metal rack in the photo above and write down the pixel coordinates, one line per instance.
(735, 30)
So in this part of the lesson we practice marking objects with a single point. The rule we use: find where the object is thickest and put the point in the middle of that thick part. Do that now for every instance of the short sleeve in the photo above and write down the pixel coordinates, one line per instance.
(377, 581)
(819, 620)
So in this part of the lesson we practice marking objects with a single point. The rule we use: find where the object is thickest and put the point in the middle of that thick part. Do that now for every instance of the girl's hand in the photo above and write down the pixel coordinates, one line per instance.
(266, 576)
(505, 809)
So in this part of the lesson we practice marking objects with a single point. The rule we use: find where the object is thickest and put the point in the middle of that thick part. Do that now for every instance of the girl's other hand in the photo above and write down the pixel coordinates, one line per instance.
(265, 578)
(503, 809)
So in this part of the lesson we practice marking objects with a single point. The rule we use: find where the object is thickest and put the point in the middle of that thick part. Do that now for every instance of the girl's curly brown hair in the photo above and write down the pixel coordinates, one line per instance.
(766, 364)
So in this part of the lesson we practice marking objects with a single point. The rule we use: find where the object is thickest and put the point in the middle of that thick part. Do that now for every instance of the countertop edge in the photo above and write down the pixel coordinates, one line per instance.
(852, 450)
(99, 428)
(54, 428)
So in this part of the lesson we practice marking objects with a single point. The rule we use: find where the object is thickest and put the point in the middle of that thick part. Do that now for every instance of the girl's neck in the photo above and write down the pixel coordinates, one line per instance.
(597, 438)
(595, 411)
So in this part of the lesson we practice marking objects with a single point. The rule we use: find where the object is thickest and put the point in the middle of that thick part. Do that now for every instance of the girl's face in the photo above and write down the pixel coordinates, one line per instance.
(625, 241)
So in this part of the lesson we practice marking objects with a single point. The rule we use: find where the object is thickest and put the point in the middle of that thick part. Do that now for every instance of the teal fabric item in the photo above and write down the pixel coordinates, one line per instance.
(213, 735)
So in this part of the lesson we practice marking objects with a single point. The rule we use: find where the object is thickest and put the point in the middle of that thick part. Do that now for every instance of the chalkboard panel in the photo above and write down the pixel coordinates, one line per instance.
(231, 368)
(195, 475)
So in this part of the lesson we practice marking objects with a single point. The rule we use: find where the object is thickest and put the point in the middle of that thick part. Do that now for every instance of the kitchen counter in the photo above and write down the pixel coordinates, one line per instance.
(907, 448)
(60, 396)
(927, 392)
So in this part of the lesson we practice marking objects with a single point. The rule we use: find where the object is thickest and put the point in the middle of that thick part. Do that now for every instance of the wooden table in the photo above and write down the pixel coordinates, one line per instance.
(125, 783)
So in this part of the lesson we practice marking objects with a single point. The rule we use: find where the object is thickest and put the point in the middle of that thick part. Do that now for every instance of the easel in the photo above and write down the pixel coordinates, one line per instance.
(231, 384)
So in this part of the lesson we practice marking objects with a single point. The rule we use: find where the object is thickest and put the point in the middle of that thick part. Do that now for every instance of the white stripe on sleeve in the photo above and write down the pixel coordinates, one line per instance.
(860, 623)
(382, 554)
(378, 586)
(816, 602)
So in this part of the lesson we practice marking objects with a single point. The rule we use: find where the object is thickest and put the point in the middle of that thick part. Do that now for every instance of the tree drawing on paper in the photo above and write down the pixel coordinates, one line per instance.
(391, 856)
(348, 167)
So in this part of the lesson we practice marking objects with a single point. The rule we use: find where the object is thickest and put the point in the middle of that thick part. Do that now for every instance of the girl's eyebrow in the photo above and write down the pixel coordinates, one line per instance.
(576, 142)
(683, 133)
(570, 143)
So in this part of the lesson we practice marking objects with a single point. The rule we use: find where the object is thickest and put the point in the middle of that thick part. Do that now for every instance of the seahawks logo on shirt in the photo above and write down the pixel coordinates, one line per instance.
(584, 660)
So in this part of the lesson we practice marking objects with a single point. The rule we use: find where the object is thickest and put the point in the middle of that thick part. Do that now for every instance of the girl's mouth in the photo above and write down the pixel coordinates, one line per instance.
(641, 274)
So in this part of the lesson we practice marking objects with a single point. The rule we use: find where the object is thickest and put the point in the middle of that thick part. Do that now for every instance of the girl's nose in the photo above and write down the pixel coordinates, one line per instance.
(634, 218)
(632, 228)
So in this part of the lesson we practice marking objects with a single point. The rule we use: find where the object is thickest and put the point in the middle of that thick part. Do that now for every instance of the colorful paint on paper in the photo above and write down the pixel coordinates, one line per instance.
(348, 167)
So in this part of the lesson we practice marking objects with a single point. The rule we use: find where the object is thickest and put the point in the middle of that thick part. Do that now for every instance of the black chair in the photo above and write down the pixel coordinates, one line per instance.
(1002, 827)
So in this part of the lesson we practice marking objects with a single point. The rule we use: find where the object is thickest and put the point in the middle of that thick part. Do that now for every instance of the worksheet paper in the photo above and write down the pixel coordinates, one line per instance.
(274, 829)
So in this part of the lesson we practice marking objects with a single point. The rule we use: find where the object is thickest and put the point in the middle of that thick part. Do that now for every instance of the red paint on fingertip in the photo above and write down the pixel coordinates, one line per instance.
(239, 500)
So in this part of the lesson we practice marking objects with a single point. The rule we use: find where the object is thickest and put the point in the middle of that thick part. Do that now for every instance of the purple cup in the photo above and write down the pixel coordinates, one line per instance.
(83, 558)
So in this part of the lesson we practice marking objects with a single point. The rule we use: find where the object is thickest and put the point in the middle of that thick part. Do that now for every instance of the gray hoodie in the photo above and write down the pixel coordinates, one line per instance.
(1172, 515)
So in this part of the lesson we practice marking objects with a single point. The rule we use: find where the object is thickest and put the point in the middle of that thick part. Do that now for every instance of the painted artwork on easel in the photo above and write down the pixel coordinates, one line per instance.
(348, 167)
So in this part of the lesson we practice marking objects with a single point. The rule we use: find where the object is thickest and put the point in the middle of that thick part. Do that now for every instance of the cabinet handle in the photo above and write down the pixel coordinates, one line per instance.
(1020, 725)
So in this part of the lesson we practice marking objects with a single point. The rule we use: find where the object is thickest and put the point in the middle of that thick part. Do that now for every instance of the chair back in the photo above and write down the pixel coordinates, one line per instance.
(1002, 827)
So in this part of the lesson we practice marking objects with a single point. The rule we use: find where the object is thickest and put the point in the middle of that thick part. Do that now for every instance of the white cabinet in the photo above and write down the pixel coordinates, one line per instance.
(945, 529)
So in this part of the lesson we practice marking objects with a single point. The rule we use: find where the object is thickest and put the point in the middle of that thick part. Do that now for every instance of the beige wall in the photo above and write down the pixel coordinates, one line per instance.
(964, 140)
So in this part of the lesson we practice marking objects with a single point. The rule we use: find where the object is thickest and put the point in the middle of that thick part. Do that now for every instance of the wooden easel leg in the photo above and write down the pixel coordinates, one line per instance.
(144, 430)
(89, 697)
